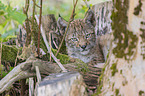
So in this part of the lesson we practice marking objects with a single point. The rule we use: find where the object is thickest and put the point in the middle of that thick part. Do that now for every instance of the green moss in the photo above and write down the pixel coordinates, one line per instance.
(138, 8)
(102, 73)
(83, 67)
(142, 36)
(120, 71)
(107, 55)
(64, 59)
(113, 86)
(124, 83)
(114, 69)
(143, 33)
(98, 90)
(121, 34)
(141, 93)
(9, 53)
(143, 23)
(100, 82)
(116, 92)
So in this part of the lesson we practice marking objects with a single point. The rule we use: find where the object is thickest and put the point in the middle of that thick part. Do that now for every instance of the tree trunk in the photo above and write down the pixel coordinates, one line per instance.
(124, 73)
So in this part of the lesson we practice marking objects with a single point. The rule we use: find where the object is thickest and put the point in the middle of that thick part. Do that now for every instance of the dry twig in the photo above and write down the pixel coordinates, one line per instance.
(38, 47)
(48, 48)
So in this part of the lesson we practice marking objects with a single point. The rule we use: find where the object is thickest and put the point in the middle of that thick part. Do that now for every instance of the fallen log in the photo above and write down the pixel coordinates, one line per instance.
(27, 69)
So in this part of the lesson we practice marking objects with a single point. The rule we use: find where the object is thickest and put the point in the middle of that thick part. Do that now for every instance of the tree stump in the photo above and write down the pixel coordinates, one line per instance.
(62, 84)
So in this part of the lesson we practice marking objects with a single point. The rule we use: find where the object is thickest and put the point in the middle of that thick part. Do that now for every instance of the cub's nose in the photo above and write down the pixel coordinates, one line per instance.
(83, 46)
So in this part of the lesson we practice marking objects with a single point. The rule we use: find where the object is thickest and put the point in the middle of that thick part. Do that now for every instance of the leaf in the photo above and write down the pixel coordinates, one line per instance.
(9, 34)
(1, 12)
(2, 6)
(1, 27)
(91, 5)
(18, 16)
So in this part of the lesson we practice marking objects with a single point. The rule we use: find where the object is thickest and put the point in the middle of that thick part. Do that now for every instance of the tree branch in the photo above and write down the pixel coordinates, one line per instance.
(38, 46)
(27, 69)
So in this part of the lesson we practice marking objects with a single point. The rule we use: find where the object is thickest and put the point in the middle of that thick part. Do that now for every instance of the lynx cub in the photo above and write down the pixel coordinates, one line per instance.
(80, 39)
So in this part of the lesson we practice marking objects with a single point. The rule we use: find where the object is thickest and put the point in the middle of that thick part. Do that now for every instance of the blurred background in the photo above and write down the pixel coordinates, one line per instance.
(62, 7)
(11, 13)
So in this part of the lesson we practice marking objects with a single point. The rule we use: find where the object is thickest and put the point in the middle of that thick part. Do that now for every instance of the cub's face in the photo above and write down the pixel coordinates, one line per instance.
(80, 37)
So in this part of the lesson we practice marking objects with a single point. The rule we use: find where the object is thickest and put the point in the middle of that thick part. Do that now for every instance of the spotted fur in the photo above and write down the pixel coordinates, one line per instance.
(81, 40)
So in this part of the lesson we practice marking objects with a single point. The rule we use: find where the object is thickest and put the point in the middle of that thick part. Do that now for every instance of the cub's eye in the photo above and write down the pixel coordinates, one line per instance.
(74, 39)
(88, 35)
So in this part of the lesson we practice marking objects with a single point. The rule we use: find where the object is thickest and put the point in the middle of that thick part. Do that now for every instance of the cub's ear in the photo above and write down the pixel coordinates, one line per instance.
(90, 17)
(62, 24)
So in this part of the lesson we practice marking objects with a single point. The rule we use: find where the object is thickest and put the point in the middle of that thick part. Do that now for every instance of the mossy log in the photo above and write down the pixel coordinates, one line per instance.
(27, 69)
(9, 53)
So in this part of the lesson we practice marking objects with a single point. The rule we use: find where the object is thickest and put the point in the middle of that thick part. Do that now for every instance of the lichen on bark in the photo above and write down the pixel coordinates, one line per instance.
(114, 69)
(124, 39)
(142, 35)
(138, 8)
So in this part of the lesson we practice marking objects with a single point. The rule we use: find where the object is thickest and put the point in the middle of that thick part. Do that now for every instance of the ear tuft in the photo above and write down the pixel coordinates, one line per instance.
(62, 24)
(90, 18)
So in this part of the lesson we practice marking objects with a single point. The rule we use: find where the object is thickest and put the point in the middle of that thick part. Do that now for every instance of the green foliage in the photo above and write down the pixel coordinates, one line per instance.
(5, 73)
(64, 9)
(9, 20)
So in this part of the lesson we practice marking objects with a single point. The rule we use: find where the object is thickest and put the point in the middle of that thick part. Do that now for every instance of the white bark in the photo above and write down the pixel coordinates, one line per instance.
(129, 78)
(31, 86)
(62, 84)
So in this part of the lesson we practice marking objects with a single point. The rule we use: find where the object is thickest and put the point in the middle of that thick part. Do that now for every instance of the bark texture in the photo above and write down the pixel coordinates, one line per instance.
(124, 73)
(62, 84)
